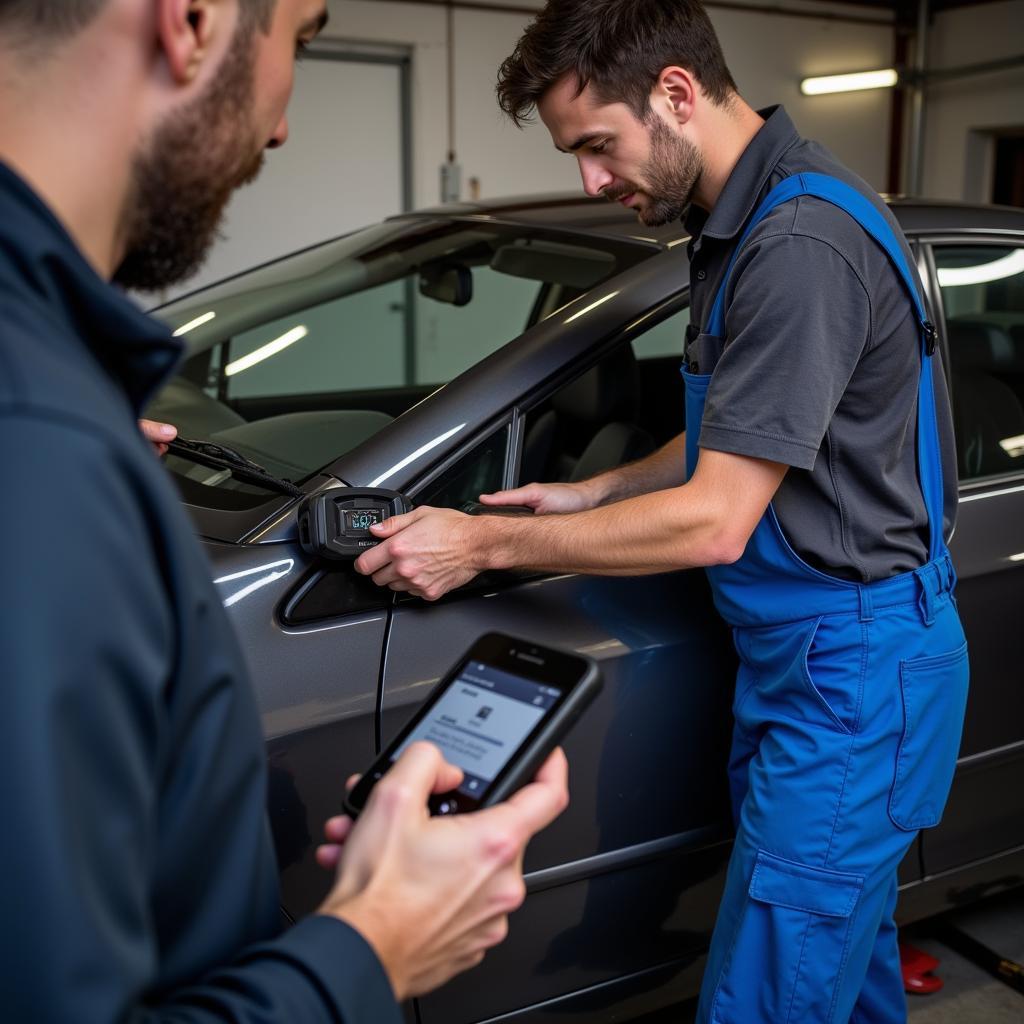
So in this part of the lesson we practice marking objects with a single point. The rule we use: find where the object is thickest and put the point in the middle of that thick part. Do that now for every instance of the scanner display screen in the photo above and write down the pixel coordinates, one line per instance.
(362, 518)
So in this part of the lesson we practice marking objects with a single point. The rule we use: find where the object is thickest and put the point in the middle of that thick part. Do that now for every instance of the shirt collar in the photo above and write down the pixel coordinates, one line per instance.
(748, 178)
(39, 257)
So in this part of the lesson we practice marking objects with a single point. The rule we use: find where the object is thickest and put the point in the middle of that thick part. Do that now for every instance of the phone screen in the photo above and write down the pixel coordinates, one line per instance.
(481, 719)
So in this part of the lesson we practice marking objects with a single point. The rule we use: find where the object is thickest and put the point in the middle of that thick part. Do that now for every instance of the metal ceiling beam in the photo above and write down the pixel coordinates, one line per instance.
(770, 9)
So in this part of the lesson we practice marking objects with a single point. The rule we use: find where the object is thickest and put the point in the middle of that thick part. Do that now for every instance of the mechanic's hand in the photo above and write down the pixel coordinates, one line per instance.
(544, 498)
(426, 552)
(432, 895)
(158, 434)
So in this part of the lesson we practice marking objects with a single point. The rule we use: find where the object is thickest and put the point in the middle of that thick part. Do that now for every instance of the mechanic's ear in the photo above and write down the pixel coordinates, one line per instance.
(675, 91)
(185, 28)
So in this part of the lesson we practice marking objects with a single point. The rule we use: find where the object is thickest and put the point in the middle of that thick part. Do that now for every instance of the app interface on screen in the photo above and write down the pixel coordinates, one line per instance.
(480, 721)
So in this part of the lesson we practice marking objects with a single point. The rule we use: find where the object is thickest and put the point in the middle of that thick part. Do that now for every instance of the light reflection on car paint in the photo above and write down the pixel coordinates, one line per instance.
(272, 571)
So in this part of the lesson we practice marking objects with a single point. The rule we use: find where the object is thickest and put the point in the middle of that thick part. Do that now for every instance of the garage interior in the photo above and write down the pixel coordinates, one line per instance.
(419, 100)
(414, 308)
(952, 129)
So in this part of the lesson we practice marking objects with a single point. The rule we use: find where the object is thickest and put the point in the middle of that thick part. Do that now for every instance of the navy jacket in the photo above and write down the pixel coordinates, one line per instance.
(137, 870)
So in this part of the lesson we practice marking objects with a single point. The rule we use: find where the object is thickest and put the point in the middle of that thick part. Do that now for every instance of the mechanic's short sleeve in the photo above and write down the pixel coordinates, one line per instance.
(797, 323)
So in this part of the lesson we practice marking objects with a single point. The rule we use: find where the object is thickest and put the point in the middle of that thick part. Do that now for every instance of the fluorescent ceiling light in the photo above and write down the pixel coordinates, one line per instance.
(193, 324)
(849, 83)
(1019, 557)
(1005, 266)
(266, 351)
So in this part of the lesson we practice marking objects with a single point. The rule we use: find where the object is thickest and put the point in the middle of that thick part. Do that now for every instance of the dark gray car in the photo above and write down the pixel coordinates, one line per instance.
(469, 348)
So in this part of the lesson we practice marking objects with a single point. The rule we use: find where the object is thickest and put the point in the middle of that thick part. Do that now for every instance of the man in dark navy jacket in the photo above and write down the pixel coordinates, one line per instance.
(139, 878)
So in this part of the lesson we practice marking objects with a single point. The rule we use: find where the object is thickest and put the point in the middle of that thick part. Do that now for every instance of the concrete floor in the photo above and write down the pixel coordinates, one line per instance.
(969, 994)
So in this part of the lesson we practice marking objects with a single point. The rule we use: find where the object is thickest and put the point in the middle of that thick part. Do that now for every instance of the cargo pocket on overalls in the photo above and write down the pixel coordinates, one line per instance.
(790, 947)
(934, 694)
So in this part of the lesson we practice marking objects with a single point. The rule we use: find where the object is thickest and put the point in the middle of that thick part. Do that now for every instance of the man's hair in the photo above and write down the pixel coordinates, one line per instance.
(619, 47)
(56, 20)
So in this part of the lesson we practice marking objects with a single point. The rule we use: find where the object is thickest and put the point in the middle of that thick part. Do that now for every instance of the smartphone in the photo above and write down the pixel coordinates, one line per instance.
(497, 714)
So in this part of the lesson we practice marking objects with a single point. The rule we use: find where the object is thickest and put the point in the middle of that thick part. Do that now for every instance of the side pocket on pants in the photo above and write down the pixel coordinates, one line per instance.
(934, 694)
(790, 946)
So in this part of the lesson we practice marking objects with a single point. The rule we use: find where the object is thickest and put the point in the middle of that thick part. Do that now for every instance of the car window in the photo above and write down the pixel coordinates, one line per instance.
(982, 288)
(616, 412)
(481, 471)
(665, 339)
(297, 362)
(396, 337)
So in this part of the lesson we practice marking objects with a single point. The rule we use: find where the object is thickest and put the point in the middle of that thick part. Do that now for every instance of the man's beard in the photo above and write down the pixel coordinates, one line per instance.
(670, 176)
(184, 178)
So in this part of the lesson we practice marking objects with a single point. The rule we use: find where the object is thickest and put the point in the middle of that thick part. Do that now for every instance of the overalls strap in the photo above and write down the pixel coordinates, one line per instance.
(848, 199)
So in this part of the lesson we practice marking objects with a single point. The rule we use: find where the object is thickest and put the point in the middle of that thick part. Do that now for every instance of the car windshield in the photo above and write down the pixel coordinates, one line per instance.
(297, 362)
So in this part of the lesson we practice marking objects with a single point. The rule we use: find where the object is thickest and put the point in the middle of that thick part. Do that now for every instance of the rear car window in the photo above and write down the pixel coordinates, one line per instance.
(982, 289)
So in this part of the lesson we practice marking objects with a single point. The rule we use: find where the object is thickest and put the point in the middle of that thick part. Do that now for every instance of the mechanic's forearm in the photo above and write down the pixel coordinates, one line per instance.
(668, 529)
(658, 471)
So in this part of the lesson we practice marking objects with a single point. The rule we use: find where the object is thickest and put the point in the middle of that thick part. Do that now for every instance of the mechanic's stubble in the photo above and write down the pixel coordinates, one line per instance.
(668, 178)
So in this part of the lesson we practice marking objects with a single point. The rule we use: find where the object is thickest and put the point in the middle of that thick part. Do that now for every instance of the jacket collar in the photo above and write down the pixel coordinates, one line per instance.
(39, 259)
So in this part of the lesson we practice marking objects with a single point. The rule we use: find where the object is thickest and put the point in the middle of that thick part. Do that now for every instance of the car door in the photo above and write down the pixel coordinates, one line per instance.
(640, 853)
(281, 362)
(316, 682)
(978, 286)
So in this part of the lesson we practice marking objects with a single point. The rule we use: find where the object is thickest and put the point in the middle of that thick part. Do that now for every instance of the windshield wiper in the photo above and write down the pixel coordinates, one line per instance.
(220, 456)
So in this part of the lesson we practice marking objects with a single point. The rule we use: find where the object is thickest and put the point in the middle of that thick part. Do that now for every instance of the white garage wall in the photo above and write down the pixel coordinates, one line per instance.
(962, 115)
(768, 56)
(341, 169)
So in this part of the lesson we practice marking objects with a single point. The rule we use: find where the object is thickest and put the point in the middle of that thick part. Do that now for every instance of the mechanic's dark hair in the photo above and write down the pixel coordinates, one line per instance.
(619, 47)
(60, 19)
(55, 18)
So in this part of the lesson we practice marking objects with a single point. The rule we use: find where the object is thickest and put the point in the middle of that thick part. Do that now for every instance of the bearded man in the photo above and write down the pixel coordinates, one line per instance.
(139, 875)
(815, 481)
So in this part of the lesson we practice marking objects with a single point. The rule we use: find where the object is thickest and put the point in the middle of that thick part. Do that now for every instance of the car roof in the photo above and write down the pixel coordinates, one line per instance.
(581, 213)
(571, 211)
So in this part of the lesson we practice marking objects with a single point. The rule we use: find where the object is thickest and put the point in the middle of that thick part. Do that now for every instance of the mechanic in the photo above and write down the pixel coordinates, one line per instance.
(815, 480)
(140, 881)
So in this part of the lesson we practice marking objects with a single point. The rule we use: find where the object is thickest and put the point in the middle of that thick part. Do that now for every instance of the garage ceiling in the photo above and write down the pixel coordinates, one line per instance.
(907, 9)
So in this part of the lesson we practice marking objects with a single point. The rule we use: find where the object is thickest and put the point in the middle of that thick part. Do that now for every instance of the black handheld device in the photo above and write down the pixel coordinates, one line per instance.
(497, 714)
(336, 524)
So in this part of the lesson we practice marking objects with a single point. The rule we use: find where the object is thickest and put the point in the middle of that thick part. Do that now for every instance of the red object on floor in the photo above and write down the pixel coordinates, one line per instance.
(917, 967)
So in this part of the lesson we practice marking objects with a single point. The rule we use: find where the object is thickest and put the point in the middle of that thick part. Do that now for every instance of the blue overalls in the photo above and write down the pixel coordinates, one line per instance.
(848, 711)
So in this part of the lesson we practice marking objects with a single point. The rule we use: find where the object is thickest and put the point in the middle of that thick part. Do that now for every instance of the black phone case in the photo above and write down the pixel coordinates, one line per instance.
(532, 754)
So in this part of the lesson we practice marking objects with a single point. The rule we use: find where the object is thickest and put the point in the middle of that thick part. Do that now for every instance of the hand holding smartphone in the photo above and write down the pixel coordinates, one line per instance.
(496, 715)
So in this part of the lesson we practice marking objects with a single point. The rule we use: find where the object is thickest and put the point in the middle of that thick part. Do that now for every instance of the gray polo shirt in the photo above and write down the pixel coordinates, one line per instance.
(819, 368)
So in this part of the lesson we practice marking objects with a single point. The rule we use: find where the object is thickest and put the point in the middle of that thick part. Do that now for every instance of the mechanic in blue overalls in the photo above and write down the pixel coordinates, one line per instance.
(816, 480)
